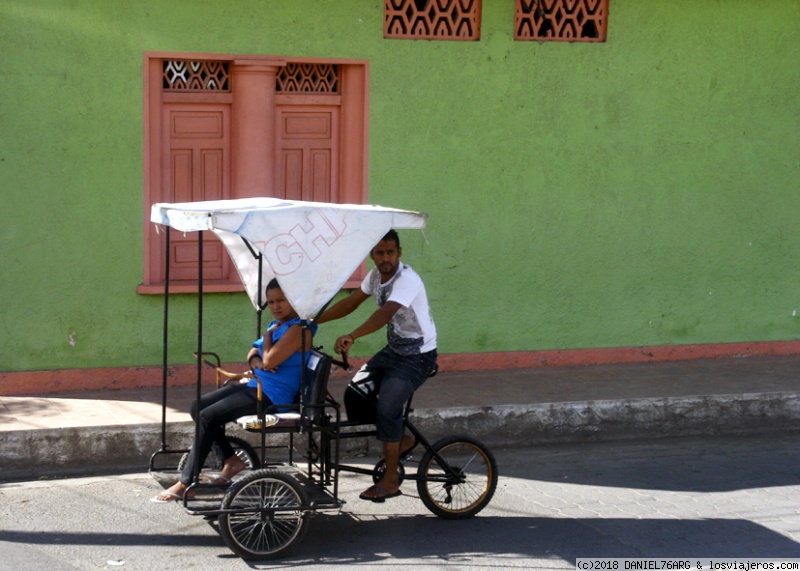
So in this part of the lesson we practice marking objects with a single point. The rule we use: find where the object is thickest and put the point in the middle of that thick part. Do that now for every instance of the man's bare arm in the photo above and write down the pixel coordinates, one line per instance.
(344, 307)
(375, 321)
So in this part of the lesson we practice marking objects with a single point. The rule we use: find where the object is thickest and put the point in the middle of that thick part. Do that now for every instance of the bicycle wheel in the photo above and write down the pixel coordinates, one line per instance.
(272, 516)
(243, 449)
(461, 481)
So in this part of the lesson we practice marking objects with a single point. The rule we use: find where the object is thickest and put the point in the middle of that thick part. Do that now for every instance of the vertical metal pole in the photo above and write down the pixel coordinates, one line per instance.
(260, 293)
(304, 328)
(165, 361)
(304, 380)
(197, 464)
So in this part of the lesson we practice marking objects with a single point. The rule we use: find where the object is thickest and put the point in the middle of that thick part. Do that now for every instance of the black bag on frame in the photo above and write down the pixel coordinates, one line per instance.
(361, 396)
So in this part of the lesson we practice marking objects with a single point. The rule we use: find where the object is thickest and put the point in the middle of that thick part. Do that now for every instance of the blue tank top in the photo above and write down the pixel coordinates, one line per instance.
(282, 386)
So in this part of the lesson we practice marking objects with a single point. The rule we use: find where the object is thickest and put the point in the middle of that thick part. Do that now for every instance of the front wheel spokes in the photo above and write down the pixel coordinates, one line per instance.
(262, 530)
(267, 515)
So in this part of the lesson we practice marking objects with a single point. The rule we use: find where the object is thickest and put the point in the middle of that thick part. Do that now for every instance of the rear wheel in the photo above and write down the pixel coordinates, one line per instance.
(461, 481)
(272, 515)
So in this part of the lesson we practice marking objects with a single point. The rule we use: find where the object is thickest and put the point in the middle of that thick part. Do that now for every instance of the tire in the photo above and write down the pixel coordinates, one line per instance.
(243, 449)
(464, 484)
(254, 535)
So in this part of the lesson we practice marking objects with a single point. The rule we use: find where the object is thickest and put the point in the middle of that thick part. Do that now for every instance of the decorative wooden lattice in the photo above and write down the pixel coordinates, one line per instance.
(432, 19)
(561, 20)
(181, 75)
(308, 78)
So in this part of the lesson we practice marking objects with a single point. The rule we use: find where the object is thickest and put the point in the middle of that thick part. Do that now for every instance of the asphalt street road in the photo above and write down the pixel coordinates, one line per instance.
(702, 497)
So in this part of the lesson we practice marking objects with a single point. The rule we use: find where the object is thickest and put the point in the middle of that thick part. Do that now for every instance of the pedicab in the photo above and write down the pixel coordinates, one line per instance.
(312, 249)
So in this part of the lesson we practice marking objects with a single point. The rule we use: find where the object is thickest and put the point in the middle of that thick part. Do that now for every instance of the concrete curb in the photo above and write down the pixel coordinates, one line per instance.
(584, 421)
(84, 451)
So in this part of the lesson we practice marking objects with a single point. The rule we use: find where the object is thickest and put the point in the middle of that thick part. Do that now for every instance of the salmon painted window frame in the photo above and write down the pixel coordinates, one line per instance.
(561, 20)
(432, 19)
(209, 135)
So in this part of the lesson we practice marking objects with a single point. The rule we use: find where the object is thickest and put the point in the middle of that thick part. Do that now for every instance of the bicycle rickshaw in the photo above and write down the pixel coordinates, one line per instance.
(312, 248)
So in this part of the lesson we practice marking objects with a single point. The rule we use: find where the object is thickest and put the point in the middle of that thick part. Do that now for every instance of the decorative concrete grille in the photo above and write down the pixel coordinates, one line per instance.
(181, 75)
(308, 78)
(432, 19)
(561, 20)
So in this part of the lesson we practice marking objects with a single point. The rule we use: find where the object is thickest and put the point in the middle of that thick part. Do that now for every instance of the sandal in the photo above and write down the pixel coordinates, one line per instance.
(171, 498)
(378, 495)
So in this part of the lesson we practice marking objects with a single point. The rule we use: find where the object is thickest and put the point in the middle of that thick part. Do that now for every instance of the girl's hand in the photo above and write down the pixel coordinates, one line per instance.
(254, 362)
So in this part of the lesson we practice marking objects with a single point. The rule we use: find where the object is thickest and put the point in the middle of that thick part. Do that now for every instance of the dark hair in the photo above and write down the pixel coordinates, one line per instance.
(273, 284)
(392, 235)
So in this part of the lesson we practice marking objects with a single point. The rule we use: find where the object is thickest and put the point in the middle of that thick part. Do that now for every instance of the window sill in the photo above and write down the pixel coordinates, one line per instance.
(158, 289)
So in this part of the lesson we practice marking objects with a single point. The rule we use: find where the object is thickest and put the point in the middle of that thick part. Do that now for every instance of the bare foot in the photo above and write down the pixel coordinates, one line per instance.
(390, 485)
(232, 466)
(172, 494)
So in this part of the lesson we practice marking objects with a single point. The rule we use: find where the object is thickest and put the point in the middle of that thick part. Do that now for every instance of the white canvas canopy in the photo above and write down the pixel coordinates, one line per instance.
(311, 247)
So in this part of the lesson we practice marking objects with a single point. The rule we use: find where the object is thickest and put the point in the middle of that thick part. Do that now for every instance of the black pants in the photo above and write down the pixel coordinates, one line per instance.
(401, 376)
(217, 409)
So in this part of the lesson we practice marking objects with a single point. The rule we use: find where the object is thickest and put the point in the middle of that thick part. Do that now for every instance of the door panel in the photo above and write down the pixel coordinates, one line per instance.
(198, 141)
(307, 150)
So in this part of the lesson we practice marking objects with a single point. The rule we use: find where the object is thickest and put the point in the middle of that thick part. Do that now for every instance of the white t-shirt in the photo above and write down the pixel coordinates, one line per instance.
(411, 330)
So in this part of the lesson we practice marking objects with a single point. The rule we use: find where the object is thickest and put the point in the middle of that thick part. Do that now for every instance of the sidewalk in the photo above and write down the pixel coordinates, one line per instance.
(117, 430)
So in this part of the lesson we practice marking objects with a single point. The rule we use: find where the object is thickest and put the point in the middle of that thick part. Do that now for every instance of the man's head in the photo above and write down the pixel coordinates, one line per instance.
(386, 255)
(392, 235)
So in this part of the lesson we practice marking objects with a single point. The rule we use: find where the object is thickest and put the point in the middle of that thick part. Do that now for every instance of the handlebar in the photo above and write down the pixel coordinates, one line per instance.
(344, 364)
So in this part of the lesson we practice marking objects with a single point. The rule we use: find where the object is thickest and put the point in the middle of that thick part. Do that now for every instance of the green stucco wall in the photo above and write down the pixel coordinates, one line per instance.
(642, 191)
